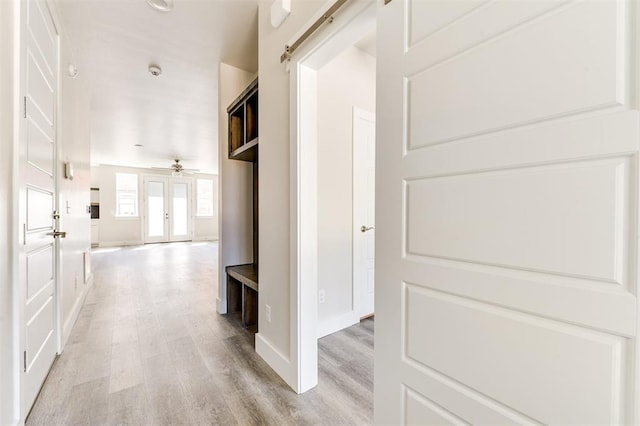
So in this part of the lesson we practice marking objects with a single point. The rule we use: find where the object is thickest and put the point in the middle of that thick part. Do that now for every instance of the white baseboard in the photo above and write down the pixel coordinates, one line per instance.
(120, 243)
(337, 323)
(205, 238)
(221, 306)
(277, 361)
(75, 312)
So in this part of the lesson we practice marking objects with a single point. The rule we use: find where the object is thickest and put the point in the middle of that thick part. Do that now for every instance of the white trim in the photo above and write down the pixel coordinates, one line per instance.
(307, 243)
(206, 238)
(9, 125)
(337, 323)
(15, 219)
(121, 243)
(275, 359)
(221, 305)
(354, 21)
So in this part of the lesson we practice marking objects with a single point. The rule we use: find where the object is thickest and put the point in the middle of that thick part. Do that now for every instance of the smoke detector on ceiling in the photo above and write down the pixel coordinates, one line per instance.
(155, 70)
(161, 5)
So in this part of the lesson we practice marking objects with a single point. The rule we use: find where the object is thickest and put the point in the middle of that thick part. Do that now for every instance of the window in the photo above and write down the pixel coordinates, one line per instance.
(126, 195)
(204, 191)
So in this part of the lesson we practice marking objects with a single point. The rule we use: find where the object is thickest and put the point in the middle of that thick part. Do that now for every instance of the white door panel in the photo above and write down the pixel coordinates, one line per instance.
(38, 198)
(507, 212)
(156, 214)
(180, 211)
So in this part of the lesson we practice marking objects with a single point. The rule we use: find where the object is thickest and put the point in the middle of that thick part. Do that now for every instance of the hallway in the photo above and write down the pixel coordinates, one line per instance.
(149, 348)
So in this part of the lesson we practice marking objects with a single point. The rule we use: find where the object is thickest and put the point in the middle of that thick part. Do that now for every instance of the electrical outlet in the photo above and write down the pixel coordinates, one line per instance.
(267, 312)
(321, 296)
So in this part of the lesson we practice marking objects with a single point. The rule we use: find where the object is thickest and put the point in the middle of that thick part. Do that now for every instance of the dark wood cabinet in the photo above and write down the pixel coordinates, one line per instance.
(242, 280)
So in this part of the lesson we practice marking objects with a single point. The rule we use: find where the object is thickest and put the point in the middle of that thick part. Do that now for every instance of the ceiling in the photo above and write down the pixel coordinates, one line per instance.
(174, 115)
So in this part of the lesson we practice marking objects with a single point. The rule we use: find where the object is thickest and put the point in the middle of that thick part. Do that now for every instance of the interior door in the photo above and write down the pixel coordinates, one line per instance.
(38, 198)
(168, 211)
(507, 212)
(364, 210)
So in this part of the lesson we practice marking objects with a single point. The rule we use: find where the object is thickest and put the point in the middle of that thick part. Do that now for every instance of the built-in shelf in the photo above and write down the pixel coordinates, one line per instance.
(242, 293)
(243, 125)
(242, 280)
(246, 152)
(246, 274)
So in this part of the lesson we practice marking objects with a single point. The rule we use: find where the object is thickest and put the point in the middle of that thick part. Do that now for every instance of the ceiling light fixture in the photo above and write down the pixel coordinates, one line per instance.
(161, 5)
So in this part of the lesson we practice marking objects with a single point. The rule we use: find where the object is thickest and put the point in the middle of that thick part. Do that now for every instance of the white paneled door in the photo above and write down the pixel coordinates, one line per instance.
(38, 198)
(168, 209)
(507, 212)
(364, 159)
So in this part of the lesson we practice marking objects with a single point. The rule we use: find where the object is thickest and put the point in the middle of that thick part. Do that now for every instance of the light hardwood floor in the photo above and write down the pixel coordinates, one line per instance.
(149, 348)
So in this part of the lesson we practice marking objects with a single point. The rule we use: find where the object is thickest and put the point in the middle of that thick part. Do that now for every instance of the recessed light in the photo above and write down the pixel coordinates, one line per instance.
(138, 145)
(161, 5)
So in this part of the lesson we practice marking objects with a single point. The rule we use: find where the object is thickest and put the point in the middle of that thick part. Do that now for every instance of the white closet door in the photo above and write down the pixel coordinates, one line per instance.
(507, 212)
(38, 198)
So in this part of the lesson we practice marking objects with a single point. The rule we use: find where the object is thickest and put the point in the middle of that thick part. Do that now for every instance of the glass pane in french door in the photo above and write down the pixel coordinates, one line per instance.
(180, 209)
(156, 213)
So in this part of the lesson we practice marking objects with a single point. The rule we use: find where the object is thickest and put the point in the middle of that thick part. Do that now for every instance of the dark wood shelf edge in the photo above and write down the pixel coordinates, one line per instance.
(245, 152)
(247, 274)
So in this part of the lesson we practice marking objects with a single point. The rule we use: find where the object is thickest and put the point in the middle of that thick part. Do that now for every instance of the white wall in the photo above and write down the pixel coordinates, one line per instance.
(273, 342)
(74, 194)
(345, 82)
(74, 146)
(115, 231)
(8, 212)
(235, 188)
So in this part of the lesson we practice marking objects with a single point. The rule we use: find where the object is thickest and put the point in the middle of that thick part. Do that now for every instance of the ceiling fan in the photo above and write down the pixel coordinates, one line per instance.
(177, 168)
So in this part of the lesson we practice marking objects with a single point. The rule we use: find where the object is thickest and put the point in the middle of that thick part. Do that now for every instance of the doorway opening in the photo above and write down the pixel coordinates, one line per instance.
(333, 159)
(167, 209)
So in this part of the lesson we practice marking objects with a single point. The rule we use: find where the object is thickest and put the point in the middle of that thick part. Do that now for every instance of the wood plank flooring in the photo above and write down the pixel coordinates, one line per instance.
(149, 348)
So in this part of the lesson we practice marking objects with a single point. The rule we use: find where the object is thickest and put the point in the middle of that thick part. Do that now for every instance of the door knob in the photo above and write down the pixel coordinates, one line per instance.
(58, 234)
(366, 228)
(166, 215)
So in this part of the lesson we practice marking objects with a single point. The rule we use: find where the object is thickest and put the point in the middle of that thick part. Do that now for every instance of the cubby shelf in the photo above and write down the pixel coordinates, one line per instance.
(243, 125)
(242, 280)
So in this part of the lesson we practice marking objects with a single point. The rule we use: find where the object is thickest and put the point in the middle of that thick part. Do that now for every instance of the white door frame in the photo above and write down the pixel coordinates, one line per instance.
(352, 23)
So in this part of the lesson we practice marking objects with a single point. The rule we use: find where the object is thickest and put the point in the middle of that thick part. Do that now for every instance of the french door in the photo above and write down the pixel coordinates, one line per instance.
(168, 215)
